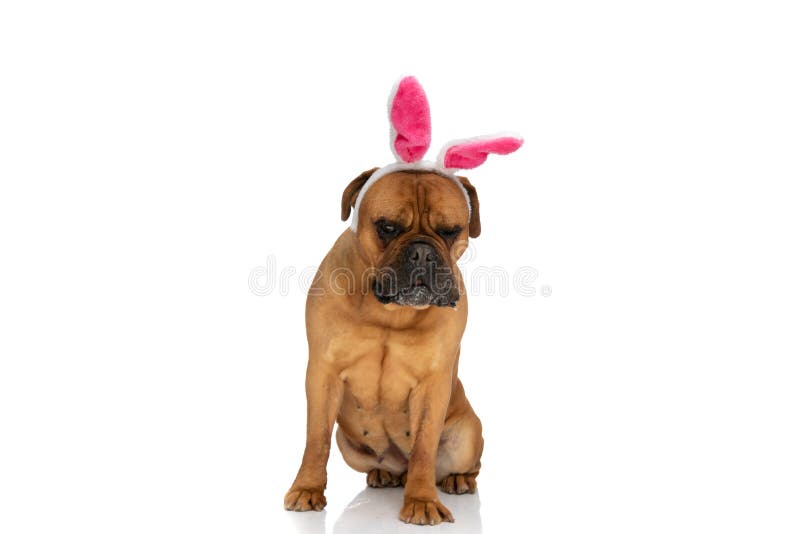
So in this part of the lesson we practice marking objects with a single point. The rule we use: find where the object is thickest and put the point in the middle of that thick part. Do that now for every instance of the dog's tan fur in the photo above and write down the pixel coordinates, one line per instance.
(388, 374)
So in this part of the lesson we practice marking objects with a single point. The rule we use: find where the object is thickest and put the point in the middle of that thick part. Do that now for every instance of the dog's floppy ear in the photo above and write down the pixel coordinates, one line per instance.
(475, 215)
(351, 192)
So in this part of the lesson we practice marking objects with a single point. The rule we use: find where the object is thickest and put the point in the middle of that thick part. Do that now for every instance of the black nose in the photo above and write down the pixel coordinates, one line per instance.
(422, 254)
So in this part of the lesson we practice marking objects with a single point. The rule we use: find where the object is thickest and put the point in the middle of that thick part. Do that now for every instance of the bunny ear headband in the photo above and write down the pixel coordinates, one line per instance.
(410, 117)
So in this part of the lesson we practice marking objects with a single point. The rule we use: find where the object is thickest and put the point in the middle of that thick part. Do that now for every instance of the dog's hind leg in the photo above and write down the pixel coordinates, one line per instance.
(459, 457)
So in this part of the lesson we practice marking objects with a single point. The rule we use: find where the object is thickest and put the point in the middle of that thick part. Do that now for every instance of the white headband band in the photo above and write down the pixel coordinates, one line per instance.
(428, 166)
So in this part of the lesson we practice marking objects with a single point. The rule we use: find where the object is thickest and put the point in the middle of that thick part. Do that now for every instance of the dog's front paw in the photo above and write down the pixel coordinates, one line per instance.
(424, 512)
(304, 499)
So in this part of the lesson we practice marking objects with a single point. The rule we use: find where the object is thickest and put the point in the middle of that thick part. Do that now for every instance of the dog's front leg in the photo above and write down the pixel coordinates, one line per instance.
(324, 396)
(427, 409)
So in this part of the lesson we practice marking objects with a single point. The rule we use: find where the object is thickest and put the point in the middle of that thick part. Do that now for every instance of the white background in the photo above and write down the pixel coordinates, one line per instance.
(152, 154)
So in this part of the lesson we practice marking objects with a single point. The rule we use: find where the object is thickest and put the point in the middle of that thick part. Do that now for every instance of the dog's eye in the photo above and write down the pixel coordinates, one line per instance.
(449, 233)
(387, 229)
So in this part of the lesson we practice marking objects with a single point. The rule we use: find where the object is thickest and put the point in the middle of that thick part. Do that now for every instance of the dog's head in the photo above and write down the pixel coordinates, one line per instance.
(412, 218)
(412, 227)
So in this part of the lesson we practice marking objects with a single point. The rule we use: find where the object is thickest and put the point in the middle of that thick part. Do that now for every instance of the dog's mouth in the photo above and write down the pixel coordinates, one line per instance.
(418, 293)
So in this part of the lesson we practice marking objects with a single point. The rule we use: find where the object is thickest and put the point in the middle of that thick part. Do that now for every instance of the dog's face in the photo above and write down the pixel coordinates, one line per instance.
(413, 226)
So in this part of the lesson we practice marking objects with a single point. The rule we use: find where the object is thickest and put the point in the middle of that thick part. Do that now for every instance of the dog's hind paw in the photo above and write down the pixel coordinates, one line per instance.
(378, 478)
(459, 483)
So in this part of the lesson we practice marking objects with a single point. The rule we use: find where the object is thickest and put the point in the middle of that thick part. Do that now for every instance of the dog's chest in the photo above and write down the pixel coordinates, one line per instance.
(381, 380)
(379, 372)
(374, 410)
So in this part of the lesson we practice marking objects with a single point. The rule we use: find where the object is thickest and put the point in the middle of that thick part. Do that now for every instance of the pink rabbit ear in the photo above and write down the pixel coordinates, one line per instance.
(469, 153)
(410, 116)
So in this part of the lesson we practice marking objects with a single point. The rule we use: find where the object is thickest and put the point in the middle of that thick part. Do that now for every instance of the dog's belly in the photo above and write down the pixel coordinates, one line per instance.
(374, 410)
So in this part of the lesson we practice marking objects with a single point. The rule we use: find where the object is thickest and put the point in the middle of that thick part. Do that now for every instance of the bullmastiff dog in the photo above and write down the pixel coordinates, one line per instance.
(385, 316)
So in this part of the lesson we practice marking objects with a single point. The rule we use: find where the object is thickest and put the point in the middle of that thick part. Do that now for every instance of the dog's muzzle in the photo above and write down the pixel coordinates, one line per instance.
(419, 278)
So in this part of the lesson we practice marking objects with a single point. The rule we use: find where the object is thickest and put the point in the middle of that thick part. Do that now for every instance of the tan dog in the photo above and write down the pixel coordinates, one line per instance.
(384, 318)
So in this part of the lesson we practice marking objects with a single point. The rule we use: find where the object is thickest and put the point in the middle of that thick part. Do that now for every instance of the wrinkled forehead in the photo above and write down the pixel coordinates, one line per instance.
(405, 197)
